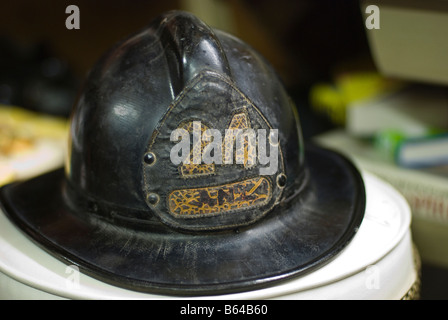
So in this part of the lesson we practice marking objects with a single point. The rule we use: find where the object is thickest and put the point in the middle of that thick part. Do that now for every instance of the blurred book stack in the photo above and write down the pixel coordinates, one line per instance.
(400, 133)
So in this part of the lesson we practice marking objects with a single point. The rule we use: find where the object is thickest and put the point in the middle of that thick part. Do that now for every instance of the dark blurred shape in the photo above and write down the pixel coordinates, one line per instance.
(318, 36)
(312, 41)
(33, 78)
(434, 282)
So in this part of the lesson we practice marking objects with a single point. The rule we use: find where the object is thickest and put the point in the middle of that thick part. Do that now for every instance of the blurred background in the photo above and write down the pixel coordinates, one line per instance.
(304, 40)
(366, 92)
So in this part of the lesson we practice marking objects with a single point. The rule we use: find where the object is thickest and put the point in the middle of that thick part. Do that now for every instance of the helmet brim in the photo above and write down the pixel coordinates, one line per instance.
(295, 238)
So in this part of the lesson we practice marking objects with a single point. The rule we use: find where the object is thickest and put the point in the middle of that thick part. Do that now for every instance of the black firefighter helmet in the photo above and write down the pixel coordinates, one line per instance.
(187, 173)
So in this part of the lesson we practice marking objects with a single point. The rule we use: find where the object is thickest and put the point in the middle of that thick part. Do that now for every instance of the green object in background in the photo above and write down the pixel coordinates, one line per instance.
(334, 98)
(387, 142)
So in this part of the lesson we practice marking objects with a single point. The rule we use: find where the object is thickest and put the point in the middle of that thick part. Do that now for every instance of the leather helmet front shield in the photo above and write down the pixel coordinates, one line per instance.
(234, 191)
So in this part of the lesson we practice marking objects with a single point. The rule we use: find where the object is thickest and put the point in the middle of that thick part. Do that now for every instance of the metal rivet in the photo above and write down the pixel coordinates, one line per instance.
(281, 180)
(273, 138)
(153, 198)
(149, 158)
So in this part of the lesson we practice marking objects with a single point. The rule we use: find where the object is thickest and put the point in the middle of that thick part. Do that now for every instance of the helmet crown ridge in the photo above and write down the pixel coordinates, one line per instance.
(191, 47)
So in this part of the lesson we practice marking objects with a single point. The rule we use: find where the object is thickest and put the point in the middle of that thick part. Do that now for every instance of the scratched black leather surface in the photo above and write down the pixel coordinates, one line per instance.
(94, 214)
(294, 239)
(130, 89)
